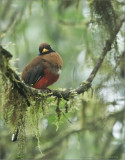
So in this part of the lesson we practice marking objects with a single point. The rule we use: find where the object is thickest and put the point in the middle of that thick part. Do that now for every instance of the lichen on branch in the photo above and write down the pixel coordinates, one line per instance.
(18, 96)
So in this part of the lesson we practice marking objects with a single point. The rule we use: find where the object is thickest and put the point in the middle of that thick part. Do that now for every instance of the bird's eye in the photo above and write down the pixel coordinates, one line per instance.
(44, 50)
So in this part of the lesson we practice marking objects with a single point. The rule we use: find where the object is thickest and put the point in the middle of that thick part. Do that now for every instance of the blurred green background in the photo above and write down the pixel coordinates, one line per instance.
(77, 30)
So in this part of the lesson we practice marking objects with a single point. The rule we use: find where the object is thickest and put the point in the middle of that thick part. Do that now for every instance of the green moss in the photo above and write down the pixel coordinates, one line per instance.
(18, 115)
(104, 14)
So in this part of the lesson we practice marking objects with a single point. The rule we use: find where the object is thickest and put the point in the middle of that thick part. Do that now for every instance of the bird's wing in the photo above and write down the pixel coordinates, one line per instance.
(33, 74)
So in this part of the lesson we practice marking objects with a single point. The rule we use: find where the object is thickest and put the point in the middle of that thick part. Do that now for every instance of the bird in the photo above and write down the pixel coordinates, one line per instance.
(42, 71)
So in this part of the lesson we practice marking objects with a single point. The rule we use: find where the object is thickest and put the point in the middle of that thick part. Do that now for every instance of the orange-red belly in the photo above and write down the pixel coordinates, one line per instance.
(47, 80)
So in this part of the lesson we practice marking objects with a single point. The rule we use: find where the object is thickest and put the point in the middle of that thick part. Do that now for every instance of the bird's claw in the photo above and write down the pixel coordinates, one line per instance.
(48, 90)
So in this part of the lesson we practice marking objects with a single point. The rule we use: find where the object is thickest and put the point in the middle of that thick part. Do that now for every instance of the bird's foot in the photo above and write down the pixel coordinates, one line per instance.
(48, 90)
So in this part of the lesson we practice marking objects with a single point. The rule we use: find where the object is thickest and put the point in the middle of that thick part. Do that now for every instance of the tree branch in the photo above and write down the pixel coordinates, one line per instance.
(104, 52)
(65, 94)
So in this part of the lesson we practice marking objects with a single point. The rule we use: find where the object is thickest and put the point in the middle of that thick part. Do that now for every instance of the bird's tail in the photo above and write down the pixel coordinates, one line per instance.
(15, 135)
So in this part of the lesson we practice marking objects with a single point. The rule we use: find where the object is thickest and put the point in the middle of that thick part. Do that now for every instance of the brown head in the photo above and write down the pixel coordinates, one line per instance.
(45, 48)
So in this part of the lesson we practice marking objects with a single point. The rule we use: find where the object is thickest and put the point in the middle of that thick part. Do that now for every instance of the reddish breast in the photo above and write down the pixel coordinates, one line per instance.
(47, 80)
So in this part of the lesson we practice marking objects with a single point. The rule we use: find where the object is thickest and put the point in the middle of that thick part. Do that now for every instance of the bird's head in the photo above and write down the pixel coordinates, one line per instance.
(45, 48)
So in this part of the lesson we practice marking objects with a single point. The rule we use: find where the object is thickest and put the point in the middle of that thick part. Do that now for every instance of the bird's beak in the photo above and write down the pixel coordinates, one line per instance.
(45, 50)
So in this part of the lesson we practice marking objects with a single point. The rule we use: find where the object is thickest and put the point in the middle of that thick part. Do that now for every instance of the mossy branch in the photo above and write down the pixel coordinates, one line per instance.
(25, 90)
